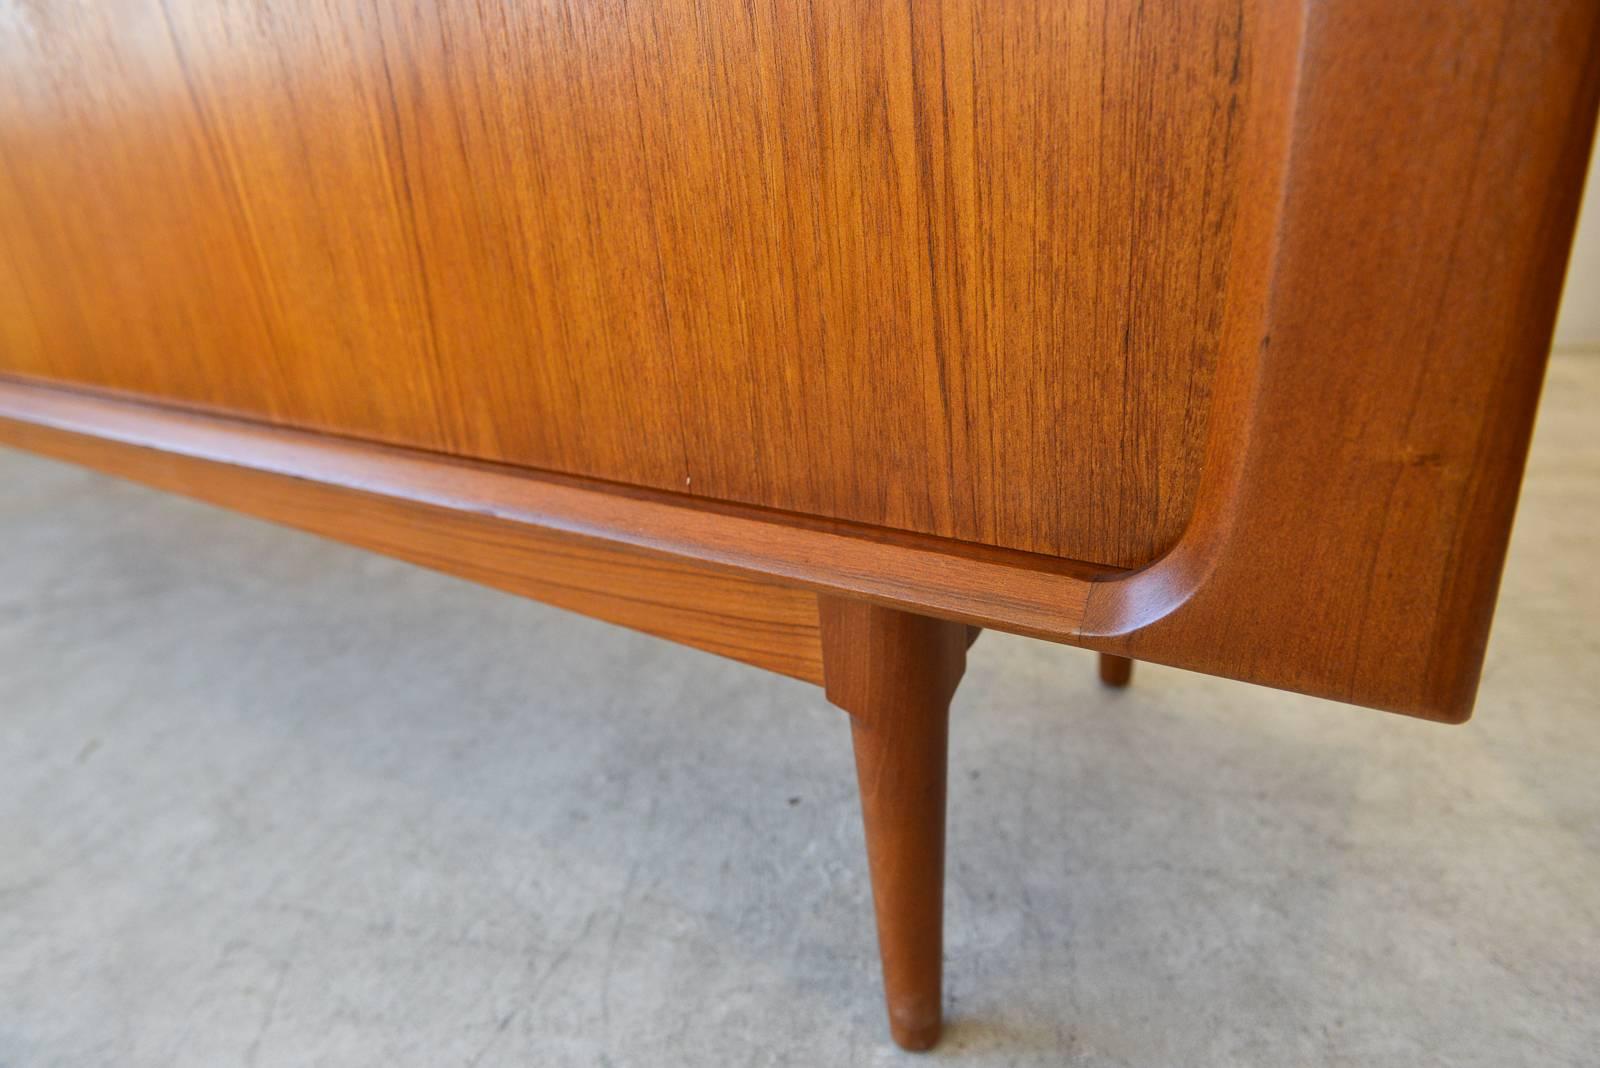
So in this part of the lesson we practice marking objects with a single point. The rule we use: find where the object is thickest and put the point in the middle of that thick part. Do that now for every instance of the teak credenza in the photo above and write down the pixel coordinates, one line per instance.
(822, 335)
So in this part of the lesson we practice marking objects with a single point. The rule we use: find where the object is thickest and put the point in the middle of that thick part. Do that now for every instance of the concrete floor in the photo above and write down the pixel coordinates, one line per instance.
(265, 800)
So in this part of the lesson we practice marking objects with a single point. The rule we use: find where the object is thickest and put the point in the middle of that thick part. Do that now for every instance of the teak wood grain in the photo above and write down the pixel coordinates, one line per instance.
(954, 268)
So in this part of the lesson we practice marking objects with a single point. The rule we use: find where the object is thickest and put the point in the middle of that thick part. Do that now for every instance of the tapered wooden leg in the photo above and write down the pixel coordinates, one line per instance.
(894, 673)
(1115, 670)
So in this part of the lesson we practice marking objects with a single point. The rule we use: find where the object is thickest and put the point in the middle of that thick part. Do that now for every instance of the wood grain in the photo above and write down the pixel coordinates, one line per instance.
(953, 268)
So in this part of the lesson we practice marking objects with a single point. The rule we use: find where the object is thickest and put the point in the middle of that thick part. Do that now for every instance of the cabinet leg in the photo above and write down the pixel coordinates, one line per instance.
(894, 672)
(1115, 670)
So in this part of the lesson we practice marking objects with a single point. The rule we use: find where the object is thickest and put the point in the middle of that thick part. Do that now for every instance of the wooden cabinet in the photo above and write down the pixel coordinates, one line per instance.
(1207, 333)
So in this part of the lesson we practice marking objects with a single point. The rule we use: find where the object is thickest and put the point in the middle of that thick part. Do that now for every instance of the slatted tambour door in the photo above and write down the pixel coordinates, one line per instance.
(953, 268)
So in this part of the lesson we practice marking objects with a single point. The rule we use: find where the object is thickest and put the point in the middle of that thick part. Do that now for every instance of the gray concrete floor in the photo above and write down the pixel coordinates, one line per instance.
(265, 800)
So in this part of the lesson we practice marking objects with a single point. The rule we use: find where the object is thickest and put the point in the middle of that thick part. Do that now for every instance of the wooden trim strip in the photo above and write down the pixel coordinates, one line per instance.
(982, 592)
(311, 484)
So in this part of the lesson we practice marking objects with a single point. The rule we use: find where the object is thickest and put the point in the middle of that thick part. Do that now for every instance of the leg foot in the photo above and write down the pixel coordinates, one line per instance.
(894, 673)
(1115, 670)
